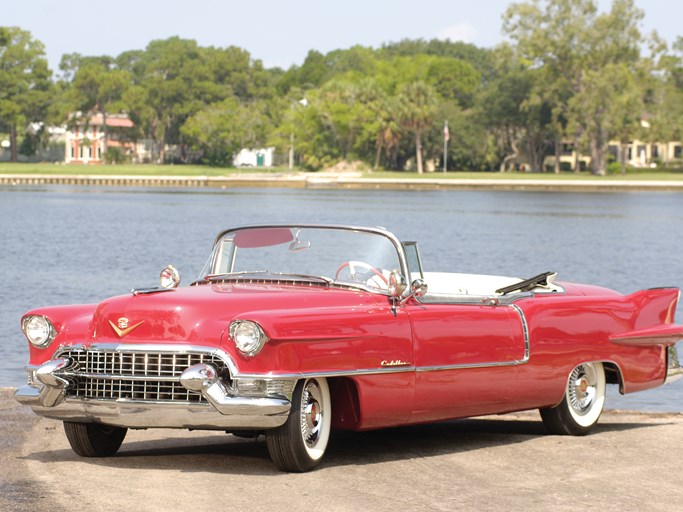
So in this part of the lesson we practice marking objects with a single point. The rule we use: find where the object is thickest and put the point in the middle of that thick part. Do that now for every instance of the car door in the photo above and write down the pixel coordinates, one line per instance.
(466, 357)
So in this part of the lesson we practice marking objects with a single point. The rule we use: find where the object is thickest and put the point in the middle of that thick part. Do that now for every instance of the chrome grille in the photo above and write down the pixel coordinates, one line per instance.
(280, 387)
(139, 376)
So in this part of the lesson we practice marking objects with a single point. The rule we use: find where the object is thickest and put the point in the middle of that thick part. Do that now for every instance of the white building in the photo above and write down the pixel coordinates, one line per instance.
(262, 157)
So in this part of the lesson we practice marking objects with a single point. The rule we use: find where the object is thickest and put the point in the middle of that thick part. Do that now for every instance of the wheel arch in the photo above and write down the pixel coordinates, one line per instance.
(613, 374)
(345, 403)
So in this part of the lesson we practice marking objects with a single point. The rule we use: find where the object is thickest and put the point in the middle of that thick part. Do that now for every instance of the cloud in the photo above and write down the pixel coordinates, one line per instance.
(464, 32)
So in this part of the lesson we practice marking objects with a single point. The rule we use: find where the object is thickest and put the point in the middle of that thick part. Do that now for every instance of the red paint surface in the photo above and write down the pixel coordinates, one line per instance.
(319, 330)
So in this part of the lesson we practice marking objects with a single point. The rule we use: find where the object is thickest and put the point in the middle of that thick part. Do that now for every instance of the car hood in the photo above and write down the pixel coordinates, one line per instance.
(201, 314)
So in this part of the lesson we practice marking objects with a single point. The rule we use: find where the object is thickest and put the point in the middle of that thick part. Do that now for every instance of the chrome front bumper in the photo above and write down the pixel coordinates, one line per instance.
(224, 409)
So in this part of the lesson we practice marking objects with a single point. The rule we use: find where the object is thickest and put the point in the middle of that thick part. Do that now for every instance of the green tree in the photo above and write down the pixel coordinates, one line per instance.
(304, 132)
(471, 145)
(313, 72)
(357, 62)
(24, 82)
(221, 129)
(666, 98)
(454, 79)
(515, 116)
(174, 79)
(577, 47)
(479, 58)
(419, 102)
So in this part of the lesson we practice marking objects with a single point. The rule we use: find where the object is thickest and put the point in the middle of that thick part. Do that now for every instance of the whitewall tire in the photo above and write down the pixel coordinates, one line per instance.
(583, 401)
(299, 445)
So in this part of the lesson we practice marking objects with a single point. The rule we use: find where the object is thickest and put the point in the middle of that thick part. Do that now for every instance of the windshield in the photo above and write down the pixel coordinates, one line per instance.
(342, 255)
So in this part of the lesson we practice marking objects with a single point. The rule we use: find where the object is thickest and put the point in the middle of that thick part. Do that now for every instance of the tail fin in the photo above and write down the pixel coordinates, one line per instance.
(655, 310)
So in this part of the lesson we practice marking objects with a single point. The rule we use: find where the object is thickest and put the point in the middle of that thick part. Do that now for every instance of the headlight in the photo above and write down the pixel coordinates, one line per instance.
(38, 330)
(248, 336)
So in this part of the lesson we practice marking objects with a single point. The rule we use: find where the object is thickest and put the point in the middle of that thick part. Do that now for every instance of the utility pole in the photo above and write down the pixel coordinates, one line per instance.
(303, 102)
(291, 150)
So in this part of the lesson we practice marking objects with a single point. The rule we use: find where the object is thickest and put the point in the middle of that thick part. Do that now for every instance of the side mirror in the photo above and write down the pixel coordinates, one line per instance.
(398, 285)
(169, 277)
(418, 288)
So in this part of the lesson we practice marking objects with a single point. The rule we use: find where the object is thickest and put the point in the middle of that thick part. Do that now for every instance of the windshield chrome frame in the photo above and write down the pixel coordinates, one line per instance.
(341, 227)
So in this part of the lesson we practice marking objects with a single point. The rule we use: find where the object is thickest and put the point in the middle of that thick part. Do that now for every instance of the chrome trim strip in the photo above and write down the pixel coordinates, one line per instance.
(279, 282)
(525, 328)
(109, 377)
(475, 300)
(425, 369)
(334, 373)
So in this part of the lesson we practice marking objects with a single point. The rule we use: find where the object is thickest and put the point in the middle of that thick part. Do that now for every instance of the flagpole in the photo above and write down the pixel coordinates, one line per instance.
(445, 146)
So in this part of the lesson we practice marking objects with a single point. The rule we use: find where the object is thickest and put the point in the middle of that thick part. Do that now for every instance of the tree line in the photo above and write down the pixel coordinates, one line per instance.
(567, 74)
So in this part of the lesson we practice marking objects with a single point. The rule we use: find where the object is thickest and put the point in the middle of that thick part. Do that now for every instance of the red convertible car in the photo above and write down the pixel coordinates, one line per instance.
(292, 331)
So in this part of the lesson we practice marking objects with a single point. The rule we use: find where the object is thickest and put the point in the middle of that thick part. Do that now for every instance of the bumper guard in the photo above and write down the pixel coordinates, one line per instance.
(224, 410)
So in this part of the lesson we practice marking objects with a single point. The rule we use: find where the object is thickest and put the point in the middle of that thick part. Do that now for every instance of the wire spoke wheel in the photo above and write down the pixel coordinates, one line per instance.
(582, 404)
(581, 391)
(312, 414)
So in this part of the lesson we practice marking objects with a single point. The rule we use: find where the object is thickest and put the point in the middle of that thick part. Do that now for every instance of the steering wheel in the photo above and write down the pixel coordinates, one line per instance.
(353, 265)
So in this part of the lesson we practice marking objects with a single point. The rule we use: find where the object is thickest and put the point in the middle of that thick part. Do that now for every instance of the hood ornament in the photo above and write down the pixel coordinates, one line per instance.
(121, 327)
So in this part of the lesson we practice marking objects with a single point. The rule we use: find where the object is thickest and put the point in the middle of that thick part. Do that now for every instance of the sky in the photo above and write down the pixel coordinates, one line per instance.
(278, 32)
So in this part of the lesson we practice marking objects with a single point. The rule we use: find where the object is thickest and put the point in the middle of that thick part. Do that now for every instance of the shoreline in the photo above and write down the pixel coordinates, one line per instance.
(342, 181)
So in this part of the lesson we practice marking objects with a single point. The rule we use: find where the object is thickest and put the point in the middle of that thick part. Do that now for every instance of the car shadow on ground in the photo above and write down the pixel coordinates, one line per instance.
(220, 453)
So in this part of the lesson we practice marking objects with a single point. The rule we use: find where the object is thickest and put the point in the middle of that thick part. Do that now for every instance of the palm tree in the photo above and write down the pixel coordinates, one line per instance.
(418, 108)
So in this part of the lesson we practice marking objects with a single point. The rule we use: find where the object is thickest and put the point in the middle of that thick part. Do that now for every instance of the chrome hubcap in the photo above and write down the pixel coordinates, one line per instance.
(582, 388)
(312, 414)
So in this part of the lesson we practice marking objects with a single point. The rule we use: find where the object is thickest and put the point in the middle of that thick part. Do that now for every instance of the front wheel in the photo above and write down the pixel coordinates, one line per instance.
(299, 444)
(582, 404)
(94, 439)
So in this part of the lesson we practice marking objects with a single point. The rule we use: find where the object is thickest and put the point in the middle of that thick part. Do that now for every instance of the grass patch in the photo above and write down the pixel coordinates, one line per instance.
(131, 170)
(646, 175)
(204, 170)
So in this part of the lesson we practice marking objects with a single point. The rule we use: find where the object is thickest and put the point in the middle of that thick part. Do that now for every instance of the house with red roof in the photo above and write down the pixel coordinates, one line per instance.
(88, 138)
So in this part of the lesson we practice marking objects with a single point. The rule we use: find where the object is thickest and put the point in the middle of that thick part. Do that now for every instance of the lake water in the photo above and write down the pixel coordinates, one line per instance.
(67, 245)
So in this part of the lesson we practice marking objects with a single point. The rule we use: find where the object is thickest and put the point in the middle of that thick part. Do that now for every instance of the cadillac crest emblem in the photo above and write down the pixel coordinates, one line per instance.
(121, 326)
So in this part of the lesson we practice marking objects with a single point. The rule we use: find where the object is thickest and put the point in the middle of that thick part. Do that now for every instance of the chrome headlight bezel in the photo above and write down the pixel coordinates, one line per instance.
(39, 330)
(248, 337)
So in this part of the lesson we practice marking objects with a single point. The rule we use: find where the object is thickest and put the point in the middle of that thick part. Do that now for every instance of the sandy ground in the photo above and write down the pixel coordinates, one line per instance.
(631, 462)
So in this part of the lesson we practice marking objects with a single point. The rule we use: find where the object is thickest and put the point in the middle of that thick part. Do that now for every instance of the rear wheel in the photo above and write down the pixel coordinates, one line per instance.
(582, 404)
(299, 444)
(94, 439)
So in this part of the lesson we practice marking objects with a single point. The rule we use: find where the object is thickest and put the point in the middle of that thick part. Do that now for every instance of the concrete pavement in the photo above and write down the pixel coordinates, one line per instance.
(631, 462)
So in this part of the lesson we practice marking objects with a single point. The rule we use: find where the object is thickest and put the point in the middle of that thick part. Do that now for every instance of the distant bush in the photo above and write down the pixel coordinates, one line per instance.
(614, 168)
(115, 156)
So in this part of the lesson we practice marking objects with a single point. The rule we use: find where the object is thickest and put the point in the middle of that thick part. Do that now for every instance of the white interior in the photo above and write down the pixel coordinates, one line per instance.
(448, 283)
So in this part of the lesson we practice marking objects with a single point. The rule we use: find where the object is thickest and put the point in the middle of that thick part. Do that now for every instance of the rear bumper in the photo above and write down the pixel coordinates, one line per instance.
(222, 409)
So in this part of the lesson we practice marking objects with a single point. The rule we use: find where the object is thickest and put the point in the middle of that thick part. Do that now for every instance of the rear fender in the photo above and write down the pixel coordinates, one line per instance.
(654, 317)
